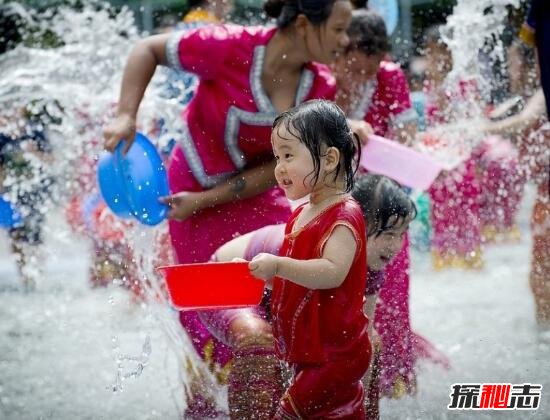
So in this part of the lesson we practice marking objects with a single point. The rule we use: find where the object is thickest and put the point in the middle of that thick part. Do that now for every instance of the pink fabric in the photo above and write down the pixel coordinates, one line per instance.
(465, 92)
(268, 239)
(390, 99)
(455, 211)
(223, 57)
(218, 323)
(501, 183)
(455, 198)
(392, 322)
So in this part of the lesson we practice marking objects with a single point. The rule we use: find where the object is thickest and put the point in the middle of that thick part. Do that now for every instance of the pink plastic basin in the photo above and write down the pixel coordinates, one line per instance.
(401, 163)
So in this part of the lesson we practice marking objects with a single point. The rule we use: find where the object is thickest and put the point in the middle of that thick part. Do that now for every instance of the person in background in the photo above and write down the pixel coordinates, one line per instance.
(455, 195)
(529, 130)
(371, 87)
(24, 178)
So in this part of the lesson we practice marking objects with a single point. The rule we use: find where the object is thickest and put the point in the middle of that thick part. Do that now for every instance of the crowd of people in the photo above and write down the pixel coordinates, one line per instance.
(265, 169)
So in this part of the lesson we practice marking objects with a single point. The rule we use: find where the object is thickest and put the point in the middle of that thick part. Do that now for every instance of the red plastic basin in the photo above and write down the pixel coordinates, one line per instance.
(212, 285)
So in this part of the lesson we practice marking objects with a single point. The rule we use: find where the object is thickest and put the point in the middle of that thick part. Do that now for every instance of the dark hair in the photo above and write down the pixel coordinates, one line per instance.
(319, 122)
(367, 32)
(381, 199)
(285, 11)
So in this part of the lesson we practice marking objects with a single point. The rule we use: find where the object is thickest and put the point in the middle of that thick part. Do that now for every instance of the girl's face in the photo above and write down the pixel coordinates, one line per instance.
(382, 248)
(294, 169)
(330, 39)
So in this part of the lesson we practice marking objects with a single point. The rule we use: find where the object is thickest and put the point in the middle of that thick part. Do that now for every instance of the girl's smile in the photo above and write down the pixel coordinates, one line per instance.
(294, 168)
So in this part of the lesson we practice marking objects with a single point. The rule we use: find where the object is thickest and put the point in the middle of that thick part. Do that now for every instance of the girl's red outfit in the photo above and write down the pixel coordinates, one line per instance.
(322, 334)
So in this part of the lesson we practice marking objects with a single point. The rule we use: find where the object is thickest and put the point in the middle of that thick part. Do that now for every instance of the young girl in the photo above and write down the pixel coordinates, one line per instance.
(318, 282)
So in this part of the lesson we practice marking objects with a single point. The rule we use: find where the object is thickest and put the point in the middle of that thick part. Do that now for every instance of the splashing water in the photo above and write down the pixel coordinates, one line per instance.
(140, 361)
(472, 26)
(77, 84)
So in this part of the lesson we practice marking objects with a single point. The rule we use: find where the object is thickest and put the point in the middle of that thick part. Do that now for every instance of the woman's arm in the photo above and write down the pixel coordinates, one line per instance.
(247, 184)
(533, 111)
(326, 272)
(139, 69)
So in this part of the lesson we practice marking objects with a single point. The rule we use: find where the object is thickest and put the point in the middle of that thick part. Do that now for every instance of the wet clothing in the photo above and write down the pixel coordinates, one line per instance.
(323, 334)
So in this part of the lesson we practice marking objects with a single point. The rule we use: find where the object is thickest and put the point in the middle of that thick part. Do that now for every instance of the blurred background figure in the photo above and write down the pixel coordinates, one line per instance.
(25, 150)
(24, 157)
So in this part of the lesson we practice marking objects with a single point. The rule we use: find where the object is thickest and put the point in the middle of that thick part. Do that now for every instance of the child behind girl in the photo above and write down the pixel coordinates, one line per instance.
(319, 278)
(387, 211)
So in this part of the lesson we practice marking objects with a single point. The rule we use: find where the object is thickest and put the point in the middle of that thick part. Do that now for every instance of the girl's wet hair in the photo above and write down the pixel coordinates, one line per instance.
(320, 124)
(286, 11)
(384, 203)
(367, 33)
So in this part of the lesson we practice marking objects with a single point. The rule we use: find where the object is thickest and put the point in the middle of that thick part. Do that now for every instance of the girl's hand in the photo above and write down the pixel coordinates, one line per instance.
(263, 266)
(122, 127)
(363, 130)
(184, 204)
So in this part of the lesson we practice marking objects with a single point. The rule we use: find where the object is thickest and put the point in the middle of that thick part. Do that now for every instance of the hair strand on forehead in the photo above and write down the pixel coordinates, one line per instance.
(319, 124)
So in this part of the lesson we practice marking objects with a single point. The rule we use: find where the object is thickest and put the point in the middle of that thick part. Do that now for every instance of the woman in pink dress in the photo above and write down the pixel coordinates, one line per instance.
(221, 171)
(476, 202)
(455, 195)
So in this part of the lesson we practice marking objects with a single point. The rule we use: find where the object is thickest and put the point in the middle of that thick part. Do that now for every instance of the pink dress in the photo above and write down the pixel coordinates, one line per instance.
(226, 129)
(455, 198)
(501, 183)
(478, 200)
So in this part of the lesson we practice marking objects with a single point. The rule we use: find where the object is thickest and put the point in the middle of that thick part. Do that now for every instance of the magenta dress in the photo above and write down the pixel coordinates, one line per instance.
(501, 183)
(385, 104)
(226, 129)
(455, 197)
(477, 201)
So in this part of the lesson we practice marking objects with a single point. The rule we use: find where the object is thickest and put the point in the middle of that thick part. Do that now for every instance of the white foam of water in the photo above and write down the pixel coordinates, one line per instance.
(79, 84)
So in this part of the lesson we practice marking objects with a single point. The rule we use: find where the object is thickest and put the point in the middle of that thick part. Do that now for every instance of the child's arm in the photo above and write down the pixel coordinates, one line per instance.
(326, 272)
